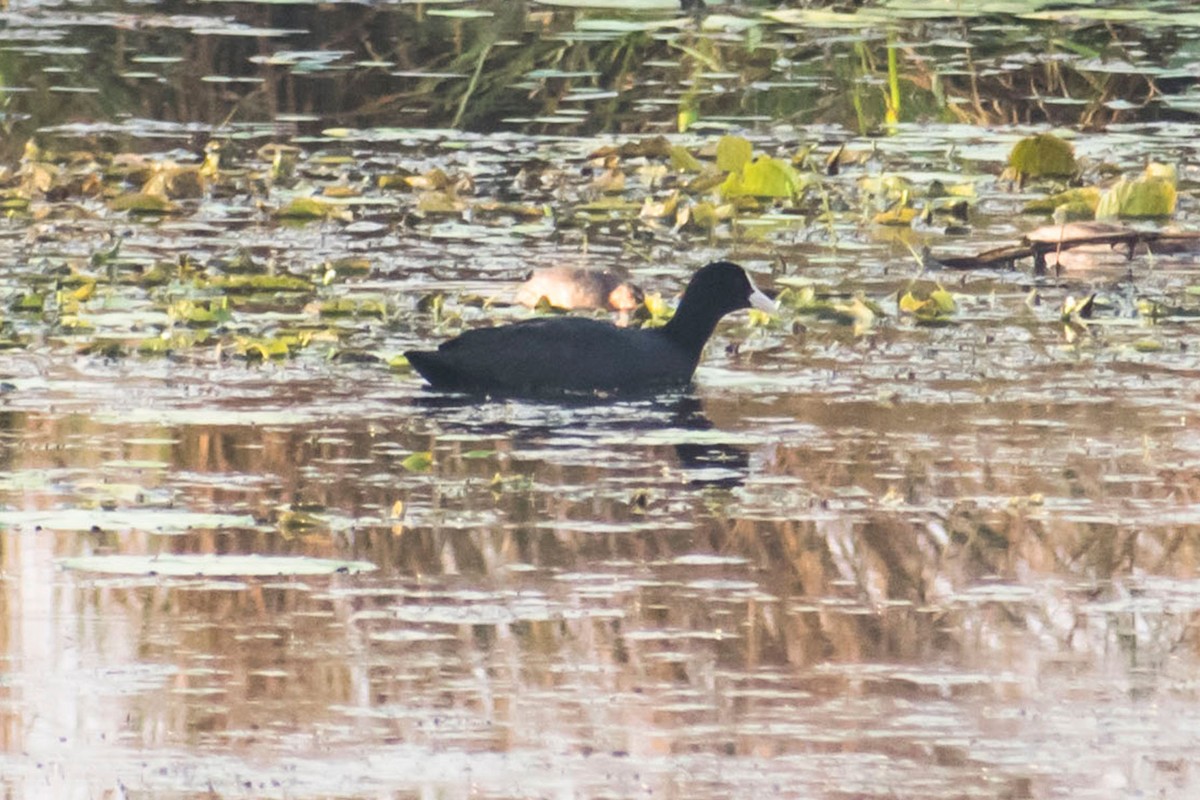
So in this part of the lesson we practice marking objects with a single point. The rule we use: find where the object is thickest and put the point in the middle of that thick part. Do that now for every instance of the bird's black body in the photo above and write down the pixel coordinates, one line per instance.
(558, 355)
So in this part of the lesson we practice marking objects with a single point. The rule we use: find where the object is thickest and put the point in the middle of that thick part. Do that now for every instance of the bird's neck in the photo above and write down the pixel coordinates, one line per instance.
(689, 331)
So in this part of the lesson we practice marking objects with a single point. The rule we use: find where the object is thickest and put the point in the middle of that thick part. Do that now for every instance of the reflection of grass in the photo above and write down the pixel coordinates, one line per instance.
(858, 79)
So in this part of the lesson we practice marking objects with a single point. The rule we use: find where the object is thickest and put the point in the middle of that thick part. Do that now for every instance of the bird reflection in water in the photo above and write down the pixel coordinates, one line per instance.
(672, 418)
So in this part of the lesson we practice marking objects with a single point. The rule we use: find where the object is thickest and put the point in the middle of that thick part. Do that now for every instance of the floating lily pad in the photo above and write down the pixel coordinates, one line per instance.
(1151, 196)
(143, 203)
(306, 208)
(763, 177)
(1043, 155)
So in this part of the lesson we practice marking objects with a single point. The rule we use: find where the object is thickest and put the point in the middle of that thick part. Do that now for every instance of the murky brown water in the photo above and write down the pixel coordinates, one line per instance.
(950, 561)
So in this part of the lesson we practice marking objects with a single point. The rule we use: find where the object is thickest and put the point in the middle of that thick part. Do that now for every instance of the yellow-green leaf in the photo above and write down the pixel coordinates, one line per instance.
(899, 215)
(1144, 197)
(143, 203)
(1072, 201)
(1081, 308)
(764, 177)
(733, 153)
(31, 302)
(686, 118)
(263, 349)
(418, 462)
(1147, 346)
(201, 313)
(942, 300)
(1165, 171)
(1043, 155)
(654, 310)
(797, 297)
(910, 304)
(311, 208)
(928, 305)
(682, 159)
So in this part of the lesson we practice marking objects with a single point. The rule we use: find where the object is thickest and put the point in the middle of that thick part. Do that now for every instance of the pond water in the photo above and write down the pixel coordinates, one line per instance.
(244, 552)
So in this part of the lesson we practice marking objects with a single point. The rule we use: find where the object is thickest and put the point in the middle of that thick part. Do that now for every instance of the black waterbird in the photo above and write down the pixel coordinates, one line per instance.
(573, 355)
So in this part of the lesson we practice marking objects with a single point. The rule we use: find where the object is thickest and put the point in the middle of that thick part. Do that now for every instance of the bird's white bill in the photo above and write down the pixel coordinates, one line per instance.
(761, 301)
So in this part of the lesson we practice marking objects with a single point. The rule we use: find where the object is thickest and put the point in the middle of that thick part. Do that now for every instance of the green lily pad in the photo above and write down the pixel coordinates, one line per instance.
(1151, 196)
(143, 203)
(1043, 156)
(306, 208)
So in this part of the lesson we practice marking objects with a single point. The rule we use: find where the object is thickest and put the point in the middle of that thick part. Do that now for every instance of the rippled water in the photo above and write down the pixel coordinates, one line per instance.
(949, 561)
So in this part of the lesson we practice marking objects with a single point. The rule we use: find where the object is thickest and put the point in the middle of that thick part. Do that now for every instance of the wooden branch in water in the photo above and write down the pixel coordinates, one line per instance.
(1055, 238)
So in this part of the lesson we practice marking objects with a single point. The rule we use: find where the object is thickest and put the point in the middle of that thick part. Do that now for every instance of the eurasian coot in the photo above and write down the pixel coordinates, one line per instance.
(557, 355)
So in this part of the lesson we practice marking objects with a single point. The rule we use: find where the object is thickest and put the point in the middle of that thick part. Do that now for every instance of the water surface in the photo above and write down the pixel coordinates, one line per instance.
(859, 558)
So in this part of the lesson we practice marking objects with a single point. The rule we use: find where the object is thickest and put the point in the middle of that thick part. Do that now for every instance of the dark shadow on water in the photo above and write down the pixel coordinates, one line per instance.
(543, 421)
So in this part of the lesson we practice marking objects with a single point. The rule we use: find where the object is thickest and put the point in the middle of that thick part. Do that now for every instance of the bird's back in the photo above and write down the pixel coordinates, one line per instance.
(551, 355)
